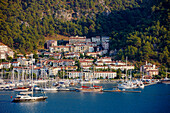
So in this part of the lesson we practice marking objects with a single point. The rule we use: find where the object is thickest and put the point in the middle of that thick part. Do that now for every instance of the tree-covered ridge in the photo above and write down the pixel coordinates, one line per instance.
(138, 28)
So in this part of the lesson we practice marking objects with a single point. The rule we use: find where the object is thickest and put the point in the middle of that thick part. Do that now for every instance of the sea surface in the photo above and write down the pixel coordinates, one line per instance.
(152, 99)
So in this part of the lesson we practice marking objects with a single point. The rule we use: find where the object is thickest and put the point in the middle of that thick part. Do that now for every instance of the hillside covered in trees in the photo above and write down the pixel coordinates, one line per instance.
(138, 28)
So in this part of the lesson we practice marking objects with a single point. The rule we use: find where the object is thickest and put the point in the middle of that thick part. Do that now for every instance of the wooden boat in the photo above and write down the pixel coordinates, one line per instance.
(165, 81)
(90, 89)
(21, 89)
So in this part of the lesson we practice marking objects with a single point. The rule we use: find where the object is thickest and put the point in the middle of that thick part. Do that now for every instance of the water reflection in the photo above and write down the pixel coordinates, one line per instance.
(31, 107)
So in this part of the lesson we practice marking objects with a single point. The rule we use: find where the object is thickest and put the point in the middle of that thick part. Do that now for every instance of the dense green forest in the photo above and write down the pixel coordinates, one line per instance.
(138, 28)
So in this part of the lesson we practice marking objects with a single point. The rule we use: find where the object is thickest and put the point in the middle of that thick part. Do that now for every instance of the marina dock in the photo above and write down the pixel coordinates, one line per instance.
(121, 91)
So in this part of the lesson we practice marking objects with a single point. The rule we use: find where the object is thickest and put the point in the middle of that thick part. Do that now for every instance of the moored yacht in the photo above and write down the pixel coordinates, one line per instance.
(21, 89)
(90, 89)
(25, 97)
(127, 85)
(165, 81)
(50, 89)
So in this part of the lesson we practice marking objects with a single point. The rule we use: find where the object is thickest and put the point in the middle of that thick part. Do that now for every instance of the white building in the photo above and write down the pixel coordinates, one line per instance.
(96, 39)
(122, 67)
(54, 70)
(104, 59)
(6, 65)
(15, 64)
(149, 69)
(105, 39)
(89, 75)
(5, 51)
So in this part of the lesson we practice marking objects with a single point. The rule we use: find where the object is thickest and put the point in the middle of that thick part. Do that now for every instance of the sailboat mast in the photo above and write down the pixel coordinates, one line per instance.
(81, 77)
(126, 68)
(18, 75)
(93, 76)
(32, 74)
(2, 74)
(63, 71)
(166, 73)
(13, 75)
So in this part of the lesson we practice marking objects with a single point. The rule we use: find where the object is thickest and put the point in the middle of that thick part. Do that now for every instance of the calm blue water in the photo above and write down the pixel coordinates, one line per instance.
(153, 99)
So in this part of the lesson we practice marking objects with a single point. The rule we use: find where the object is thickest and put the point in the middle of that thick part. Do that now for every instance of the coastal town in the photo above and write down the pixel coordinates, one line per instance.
(79, 57)
(84, 56)
(75, 65)
(79, 60)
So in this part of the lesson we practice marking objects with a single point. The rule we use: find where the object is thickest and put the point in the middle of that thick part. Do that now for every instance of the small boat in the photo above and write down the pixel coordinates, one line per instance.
(63, 89)
(21, 89)
(50, 89)
(38, 89)
(165, 81)
(90, 89)
(127, 85)
(25, 97)
(139, 84)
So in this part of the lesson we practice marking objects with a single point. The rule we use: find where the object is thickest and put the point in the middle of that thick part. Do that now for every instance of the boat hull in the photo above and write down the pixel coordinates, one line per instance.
(166, 82)
(90, 90)
(26, 89)
(43, 98)
(126, 87)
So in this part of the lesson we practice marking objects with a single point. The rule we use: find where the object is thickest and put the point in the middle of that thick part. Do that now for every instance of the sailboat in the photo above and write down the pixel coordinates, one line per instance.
(63, 84)
(93, 88)
(127, 84)
(166, 80)
(49, 88)
(29, 96)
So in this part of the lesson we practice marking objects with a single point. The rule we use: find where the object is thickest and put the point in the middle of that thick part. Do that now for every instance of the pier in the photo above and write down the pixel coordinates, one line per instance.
(121, 91)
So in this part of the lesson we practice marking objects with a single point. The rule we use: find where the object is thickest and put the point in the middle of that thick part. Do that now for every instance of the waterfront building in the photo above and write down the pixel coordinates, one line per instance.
(53, 71)
(122, 67)
(149, 69)
(89, 75)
